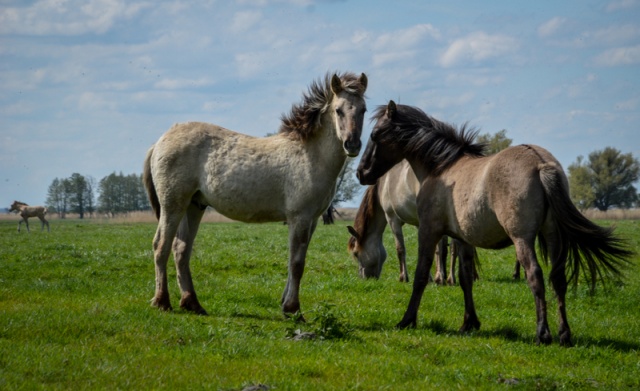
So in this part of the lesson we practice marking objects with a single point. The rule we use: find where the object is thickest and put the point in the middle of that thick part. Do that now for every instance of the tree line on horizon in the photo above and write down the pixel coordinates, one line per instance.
(604, 180)
(82, 195)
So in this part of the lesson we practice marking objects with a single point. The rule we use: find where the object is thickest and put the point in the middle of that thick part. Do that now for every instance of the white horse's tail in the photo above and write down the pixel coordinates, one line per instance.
(147, 179)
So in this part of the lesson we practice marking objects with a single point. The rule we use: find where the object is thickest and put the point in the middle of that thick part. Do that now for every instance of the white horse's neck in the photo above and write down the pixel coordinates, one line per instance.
(328, 147)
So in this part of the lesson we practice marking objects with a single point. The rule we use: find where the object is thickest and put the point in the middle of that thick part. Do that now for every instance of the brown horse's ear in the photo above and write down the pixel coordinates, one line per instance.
(391, 109)
(353, 232)
(364, 82)
(336, 84)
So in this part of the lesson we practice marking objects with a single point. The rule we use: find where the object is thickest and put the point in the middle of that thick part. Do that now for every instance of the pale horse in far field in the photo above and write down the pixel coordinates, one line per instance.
(290, 177)
(25, 211)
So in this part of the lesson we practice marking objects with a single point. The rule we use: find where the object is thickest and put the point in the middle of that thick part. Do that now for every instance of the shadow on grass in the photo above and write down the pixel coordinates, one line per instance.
(511, 334)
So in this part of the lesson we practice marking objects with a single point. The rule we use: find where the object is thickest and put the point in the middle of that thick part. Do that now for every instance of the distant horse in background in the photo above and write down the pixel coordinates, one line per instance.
(290, 176)
(391, 200)
(494, 201)
(27, 211)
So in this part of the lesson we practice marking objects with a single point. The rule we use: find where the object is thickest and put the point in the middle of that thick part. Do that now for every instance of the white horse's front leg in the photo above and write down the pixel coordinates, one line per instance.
(300, 233)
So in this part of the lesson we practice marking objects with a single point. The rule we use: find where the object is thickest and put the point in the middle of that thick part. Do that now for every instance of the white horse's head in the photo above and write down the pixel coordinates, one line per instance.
(347, 108)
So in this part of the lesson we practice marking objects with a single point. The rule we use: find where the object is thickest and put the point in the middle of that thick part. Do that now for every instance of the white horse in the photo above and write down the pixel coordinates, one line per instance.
(290, 176)
(391, 200)
(27, 211)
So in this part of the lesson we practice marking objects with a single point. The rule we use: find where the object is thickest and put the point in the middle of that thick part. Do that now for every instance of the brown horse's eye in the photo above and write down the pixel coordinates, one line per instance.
(340, 112)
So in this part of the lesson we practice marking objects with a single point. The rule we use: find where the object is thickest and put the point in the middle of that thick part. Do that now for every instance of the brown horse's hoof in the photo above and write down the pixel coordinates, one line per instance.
(544, 339)
(470, 323)
(565, 340)
(407, 323)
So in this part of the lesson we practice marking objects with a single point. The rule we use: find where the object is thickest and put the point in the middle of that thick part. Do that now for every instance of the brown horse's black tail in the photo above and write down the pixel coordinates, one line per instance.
(147, 179)
(583, 245)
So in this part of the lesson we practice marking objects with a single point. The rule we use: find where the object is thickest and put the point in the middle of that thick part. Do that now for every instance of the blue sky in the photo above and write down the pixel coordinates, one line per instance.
(87, 86)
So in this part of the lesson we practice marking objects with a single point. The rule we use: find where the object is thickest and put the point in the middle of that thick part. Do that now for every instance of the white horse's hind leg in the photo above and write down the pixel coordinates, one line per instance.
(167, 227)
(396, 228)
(300, 233)
(453, 250)
(182, 248)
(441, 261)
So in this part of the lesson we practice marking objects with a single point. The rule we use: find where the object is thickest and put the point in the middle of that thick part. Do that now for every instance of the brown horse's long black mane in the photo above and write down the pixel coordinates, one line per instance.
(364, 214)
(438, 143)
(304, 118)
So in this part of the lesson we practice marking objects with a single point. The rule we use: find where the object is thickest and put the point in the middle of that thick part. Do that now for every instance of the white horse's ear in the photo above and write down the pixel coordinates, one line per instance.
(391, 109)
(353, 232)
(336, 84)
(364, 81)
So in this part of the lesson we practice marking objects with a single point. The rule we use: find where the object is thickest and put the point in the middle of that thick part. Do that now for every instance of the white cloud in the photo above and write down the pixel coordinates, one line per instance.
(619, 56)
(245, 20)
(619, 5)
(612, 35)
(550, 27)
(628, 105)
(179, 84)
(477, 47)
(402, 45)
(67, 17)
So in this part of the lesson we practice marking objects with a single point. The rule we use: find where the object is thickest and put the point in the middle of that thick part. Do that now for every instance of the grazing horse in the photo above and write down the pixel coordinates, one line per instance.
(27, 211)
(391, 200)
(494, 201)
(290, 176)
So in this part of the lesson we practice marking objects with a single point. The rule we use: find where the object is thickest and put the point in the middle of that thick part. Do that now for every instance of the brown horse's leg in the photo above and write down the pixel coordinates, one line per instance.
(466, 254)
(396, 229)
(558, 279)
(441, 261)
(559, 282)
(167, 227)
(300, 232)
(526, 253)
(44, 221)
(426, 249)
(453, 249)
(26, 222)
(182, 248)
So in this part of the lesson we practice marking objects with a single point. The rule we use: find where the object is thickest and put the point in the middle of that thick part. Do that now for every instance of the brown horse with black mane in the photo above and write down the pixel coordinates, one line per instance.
(27, 211)
(494, 201)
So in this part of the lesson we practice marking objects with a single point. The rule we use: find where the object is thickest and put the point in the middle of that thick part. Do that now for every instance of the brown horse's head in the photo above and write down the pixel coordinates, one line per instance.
(15, 207)
(381, 154)
(369, 253)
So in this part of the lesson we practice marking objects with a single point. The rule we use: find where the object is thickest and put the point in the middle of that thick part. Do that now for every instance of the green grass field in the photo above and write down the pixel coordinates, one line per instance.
(75, 314)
